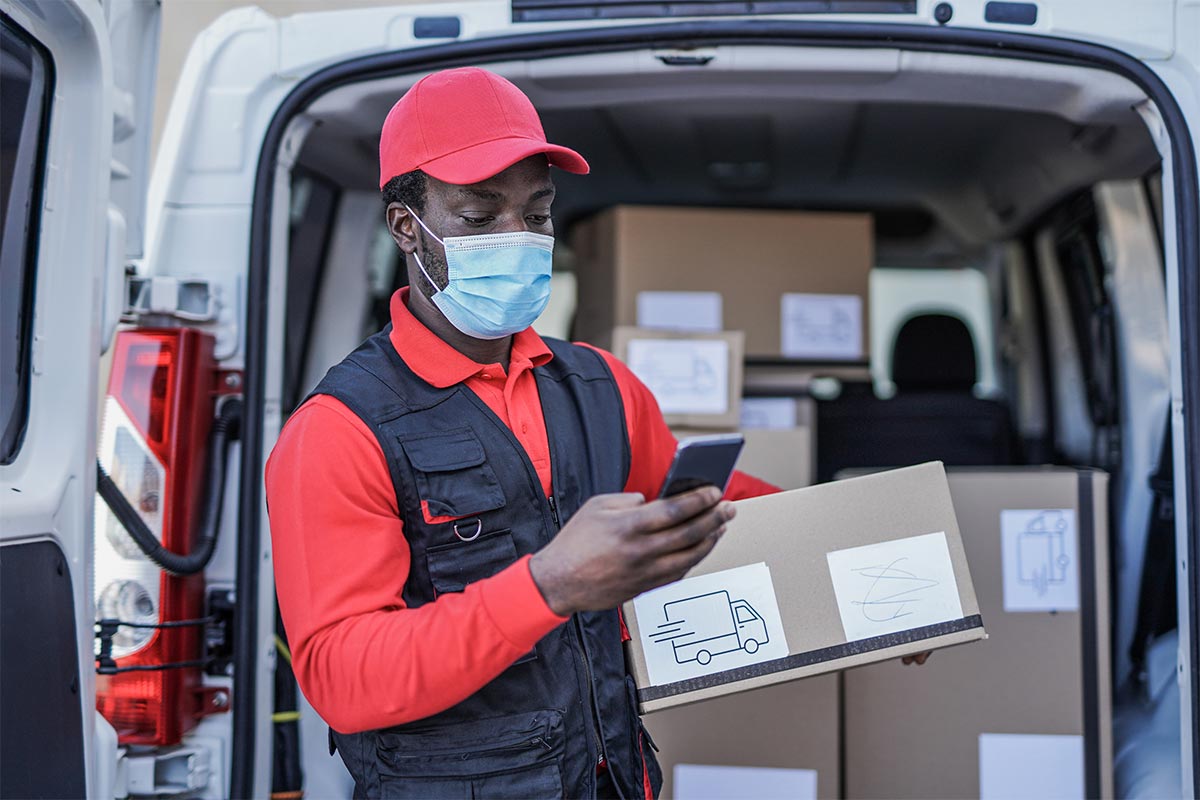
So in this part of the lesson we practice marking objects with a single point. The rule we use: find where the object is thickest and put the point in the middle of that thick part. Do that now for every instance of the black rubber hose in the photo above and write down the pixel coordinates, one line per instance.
(226, 428)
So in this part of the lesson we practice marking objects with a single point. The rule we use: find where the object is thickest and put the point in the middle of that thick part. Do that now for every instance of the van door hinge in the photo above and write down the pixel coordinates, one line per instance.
(163, 773)
(210, 303)
(188, 299)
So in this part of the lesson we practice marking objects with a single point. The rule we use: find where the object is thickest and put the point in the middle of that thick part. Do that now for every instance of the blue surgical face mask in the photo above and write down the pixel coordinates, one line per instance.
(498, 283)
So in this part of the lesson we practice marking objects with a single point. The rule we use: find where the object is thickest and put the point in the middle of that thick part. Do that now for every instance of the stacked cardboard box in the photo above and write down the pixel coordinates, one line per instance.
(792, 726)
(696, 377)
(795, 282)
(1032, 703)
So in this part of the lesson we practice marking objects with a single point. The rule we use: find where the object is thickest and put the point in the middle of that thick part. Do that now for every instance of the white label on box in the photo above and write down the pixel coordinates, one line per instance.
(710, 623)
(894, 586)
(686, 376)
(821, 326)
(768, 412)
(1029, 767)
(698, 312)
(705, 782)
(1041, 571)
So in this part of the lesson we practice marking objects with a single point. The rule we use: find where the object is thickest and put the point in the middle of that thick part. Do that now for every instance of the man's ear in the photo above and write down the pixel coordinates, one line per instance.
(402, 227)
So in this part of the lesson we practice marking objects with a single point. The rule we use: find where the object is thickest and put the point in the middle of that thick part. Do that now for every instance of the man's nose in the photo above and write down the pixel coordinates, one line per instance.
(513, 223)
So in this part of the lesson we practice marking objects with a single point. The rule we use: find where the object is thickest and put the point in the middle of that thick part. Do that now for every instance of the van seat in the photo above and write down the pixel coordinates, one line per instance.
(933, 417)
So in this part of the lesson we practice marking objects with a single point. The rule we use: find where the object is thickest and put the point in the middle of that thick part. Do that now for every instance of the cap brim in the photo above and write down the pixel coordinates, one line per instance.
(482, 161)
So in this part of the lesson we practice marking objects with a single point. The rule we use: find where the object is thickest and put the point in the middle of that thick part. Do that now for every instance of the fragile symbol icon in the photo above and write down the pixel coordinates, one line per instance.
(1042, 558)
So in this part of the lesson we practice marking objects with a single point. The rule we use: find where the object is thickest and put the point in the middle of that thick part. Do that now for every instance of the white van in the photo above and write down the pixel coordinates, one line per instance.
(1046, 147)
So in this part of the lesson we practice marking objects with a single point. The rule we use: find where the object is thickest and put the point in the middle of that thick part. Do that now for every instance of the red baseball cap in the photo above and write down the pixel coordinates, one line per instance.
(464, 126)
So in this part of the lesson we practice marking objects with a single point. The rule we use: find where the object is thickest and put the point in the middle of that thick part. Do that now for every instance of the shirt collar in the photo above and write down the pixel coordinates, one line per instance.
(437, 363)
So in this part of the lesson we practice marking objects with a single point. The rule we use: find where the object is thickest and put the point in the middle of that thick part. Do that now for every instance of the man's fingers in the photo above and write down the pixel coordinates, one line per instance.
(918, 659)
(671, 511)
(681, 537)
(673, 566)
(618, 500)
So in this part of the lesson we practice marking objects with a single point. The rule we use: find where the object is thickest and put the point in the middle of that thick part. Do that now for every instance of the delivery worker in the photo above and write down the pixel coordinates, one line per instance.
(460, 506)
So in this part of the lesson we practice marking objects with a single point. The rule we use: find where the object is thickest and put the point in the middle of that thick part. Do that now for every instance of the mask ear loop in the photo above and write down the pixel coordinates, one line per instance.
(417, 257)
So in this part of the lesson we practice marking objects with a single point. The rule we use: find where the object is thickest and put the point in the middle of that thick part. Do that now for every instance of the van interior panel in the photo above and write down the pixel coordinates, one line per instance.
(950, 151)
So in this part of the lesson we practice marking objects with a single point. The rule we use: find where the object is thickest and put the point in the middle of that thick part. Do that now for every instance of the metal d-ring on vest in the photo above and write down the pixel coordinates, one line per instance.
(473, 536)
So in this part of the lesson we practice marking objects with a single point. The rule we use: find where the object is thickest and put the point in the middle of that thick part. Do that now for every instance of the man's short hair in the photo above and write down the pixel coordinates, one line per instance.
(408, 189)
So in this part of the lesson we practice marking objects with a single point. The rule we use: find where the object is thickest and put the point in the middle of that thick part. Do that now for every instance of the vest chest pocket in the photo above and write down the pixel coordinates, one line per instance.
(515, 756)
(453, 477)
(453, 566)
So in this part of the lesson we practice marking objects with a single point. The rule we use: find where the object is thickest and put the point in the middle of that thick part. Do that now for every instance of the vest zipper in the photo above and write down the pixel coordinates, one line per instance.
(602, 757)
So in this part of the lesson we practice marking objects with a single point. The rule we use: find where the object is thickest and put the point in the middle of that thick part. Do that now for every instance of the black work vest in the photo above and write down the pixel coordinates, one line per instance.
(540, 727)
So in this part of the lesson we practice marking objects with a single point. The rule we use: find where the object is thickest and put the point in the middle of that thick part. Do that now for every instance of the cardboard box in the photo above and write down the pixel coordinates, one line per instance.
(793, 590)
(786, 457)
(783, 456)
(1042, 675)
(791, 726)
(696, 377)
(752, 258)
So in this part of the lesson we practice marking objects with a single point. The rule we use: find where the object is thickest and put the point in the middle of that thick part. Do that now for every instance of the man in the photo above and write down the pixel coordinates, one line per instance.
(459, 508)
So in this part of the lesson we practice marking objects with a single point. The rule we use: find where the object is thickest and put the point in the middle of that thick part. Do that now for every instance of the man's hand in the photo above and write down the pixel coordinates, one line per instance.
(618, 546)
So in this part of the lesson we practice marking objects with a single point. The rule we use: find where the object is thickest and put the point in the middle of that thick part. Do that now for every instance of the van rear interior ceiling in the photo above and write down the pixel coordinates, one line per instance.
(961, 150)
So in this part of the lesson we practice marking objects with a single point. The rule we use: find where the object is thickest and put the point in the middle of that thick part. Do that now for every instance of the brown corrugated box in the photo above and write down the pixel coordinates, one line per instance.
(751, 257)
(792, 533)
(619, 340)
(914, 733)
(791, 725)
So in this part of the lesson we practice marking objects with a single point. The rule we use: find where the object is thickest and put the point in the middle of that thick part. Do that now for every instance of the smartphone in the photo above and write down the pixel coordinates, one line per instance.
(703, 461)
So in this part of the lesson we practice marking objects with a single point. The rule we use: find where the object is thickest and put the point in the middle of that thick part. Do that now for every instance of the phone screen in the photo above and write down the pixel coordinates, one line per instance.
(703, 461)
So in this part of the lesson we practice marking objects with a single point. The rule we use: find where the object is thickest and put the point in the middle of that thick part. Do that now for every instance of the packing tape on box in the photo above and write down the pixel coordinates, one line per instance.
(798, 660)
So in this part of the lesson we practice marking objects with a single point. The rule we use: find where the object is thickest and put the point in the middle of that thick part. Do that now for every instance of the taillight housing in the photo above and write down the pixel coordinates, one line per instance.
(153, 442)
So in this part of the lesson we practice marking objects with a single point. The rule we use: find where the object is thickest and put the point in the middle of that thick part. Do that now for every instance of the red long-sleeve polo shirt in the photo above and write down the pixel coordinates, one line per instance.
(362, 658)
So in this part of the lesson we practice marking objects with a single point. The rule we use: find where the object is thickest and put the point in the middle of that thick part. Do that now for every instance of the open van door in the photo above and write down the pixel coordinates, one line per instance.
(74, 132)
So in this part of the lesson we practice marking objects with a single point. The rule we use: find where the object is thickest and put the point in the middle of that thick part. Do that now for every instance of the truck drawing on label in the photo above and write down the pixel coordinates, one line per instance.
(707, 625)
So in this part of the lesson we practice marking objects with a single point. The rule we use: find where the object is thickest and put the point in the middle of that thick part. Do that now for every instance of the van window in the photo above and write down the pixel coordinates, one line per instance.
(24, 101)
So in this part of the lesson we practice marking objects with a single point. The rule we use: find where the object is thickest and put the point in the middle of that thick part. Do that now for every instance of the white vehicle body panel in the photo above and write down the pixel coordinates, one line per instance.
(48, 490)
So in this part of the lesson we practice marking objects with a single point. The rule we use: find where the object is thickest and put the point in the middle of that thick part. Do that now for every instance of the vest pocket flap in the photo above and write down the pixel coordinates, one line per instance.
(475, 747)
(453, 566)
(443, 452)
(453, 478)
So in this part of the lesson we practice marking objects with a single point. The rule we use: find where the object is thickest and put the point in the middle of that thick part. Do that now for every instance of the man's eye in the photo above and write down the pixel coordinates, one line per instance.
(476, 220)
(538, 219)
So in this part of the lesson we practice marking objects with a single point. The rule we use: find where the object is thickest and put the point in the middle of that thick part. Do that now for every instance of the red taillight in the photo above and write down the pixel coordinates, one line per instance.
(153, 444)
(146, 384)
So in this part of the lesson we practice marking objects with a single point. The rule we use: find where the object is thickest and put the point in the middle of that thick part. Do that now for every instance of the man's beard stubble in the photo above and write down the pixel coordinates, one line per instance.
(435, 265)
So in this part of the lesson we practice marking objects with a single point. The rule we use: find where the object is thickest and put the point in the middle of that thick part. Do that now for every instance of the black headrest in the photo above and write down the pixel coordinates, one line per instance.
(934, 352)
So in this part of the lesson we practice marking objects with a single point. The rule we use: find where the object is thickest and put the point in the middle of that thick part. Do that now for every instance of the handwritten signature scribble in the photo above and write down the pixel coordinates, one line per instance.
(891, 592)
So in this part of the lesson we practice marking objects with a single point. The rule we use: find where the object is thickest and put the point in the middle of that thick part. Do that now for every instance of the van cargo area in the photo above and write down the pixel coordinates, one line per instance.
(988, 187)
